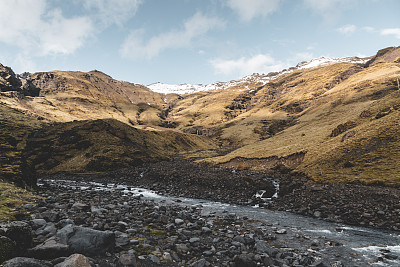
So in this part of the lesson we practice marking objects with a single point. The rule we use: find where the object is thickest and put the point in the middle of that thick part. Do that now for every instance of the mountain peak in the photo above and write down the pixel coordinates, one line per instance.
(253, 78)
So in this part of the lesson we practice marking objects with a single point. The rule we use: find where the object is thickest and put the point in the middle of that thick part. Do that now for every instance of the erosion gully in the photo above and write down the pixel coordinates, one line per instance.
(359, 246)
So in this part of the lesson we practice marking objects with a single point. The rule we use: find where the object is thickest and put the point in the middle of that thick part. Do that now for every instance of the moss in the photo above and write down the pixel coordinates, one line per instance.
(157, 232)
(7, 248)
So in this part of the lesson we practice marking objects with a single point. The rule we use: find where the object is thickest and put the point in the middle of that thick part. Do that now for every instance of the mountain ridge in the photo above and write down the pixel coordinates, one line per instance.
(335, 122)
(261, 78)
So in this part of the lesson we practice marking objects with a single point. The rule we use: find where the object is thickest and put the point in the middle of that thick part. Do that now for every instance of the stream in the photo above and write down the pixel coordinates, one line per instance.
(358, 245)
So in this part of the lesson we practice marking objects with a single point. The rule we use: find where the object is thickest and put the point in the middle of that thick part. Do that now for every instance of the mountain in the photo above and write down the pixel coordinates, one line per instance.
(81, 123)
(71, 95)
(333, 120)
(255, 78)
(336, 123)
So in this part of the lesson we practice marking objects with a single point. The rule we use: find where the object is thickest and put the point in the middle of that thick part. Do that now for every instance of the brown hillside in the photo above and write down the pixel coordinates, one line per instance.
(342, 124)
(70, 95)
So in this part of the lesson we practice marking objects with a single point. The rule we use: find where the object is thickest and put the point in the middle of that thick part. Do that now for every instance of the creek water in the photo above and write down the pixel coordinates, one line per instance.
(359, 246)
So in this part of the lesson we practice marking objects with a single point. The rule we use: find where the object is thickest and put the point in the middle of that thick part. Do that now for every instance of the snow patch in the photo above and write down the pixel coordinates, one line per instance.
(255, 78)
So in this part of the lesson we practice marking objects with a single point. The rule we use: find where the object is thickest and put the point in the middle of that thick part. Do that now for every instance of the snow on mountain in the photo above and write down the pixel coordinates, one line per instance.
(180, 88)
(321, 61)
(253, 78)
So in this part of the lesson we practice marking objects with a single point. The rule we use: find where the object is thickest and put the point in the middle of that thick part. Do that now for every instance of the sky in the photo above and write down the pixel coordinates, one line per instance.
(189, 41)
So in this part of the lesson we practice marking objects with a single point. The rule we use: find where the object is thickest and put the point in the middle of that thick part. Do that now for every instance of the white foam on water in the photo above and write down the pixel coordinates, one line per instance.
(320, 231)
(393, 249)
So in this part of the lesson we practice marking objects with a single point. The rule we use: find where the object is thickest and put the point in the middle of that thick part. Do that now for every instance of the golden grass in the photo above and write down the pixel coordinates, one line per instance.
(12, 197)
(328, 158)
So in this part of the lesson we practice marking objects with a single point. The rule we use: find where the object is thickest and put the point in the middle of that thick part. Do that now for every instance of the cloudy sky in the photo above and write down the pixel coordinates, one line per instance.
(189, 41)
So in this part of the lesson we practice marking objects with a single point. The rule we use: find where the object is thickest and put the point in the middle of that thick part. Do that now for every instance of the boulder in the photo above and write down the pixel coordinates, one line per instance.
(50, 249)
(20, 233)
(85, 240)
(26, 262)
(75, 260)
(75, 239)
(127, 260)
(7, 248)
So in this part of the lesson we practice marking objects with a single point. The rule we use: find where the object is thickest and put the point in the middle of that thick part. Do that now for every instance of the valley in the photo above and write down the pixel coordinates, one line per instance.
(327, 131)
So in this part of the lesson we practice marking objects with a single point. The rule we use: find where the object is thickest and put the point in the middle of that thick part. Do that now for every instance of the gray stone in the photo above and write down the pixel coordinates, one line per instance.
(97, 210)
(194, 240)
(199, 263)
(85, 240)
(26, 262)
(206, 230)
(208, 253)
(179, 221)
(182, 248)
(127, 260)
(50, 249)
(50, 229)
(154, 258)
(80, 206)
(37, 223)
(263, 247)
(121, 239)
(167, 256)
(65, 222)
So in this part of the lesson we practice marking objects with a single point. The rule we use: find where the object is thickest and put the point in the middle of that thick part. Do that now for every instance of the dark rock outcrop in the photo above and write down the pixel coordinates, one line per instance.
(8, 80)
(20, 233)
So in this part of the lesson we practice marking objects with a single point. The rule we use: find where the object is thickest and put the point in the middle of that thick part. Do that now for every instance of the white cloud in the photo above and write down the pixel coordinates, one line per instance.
(112, 11)
(249, 9)
(329, 9)
(369, 29)
(32, 26)
(348, 29)
(135, 45)
(392, 31)
(261, 63)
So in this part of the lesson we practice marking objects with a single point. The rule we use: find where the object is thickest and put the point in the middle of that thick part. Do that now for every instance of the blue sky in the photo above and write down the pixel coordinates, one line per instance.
(189, 41)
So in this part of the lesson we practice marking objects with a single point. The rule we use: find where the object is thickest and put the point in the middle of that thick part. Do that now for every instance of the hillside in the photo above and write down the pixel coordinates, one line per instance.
(81, 122)
(103, 145)
(336, 123)
(70, 95)
(333, 120)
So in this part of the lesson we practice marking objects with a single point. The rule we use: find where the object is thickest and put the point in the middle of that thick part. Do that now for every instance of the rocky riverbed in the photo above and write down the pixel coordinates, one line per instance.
(98, 224)
(106, 220)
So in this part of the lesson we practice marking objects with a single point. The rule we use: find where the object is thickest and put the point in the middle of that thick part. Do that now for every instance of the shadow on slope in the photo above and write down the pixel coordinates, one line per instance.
(101, 145)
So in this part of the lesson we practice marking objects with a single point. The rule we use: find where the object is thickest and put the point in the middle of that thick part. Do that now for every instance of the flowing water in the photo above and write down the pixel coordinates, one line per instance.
(359, 245)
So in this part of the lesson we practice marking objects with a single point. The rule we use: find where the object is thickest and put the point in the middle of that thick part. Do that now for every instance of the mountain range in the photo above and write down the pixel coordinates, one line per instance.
(333, 120)
(186, 88)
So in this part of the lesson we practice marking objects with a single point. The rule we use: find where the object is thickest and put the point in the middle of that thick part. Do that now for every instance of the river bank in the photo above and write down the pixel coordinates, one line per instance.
(143, 228)
(361, 205)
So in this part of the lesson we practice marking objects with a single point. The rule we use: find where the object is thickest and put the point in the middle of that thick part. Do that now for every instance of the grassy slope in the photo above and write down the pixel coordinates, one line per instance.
(100, 145)
(369, 156)
(14, 127)
(70, 95)
(12, 198)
